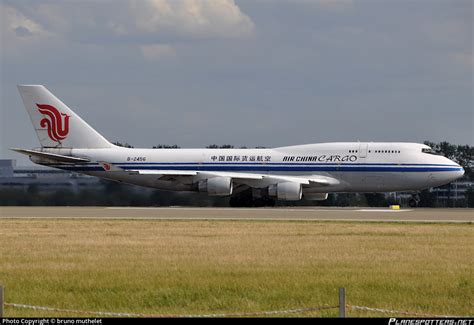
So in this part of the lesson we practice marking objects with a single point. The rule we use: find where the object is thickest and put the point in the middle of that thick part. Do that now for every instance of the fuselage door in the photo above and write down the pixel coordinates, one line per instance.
(363, 149)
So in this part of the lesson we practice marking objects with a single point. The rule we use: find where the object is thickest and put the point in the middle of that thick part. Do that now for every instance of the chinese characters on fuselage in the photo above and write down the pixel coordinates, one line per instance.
(264, 159)
(241, 158)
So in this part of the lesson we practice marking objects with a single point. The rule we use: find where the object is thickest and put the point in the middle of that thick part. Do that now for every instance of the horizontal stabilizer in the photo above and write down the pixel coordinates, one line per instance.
(51, 156)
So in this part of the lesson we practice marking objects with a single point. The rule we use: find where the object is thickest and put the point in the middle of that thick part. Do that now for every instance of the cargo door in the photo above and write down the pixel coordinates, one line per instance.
(363, 149)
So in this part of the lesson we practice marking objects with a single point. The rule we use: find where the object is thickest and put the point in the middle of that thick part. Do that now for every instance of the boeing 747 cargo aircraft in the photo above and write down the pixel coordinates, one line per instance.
(309, 171)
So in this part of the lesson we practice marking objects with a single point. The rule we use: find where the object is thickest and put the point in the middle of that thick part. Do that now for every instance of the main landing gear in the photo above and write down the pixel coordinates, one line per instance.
(414, 201)
(246, 199)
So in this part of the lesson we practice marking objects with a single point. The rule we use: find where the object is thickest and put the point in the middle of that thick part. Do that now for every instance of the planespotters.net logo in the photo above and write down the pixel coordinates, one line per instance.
(411, 321)
(56, 122)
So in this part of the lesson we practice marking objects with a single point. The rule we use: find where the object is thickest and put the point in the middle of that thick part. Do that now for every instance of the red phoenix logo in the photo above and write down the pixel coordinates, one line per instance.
(58, 128)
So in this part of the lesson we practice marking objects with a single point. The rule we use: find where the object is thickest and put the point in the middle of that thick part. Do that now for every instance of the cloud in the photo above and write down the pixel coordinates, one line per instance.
(243, 61)
(142, 19)
(20, 32)
(335, 5)
(157, 51)
(450, 32)
(14, 19)
(191, 18)
(464, 59)
(149, 25)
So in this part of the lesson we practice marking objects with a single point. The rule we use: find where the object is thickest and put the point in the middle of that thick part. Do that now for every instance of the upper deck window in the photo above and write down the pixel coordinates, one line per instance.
(386, 151)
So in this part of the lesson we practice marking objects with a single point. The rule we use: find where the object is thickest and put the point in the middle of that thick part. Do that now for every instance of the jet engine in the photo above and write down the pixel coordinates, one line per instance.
(289, 191)
(216, 186)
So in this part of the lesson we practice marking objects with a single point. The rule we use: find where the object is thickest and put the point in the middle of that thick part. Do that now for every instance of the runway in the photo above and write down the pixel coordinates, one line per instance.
(266, 214)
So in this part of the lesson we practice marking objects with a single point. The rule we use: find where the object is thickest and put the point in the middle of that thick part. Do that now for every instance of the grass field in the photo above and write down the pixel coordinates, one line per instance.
(201, 267)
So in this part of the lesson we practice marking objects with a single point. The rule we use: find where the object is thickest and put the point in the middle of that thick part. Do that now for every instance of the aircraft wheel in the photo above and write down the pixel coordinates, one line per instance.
(412, 203)
(270, 202)
(235, 202)
(240, 202)
(258, 203)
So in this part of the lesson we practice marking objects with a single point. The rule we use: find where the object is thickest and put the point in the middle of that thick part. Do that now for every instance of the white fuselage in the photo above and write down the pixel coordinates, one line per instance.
(286, 173)
(357, 166)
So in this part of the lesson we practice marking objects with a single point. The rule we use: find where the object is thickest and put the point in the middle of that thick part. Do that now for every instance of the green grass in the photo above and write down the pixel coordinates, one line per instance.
(202, 267)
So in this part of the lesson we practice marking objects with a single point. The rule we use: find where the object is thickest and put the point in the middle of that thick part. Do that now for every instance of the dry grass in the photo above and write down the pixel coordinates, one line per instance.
(188, 267)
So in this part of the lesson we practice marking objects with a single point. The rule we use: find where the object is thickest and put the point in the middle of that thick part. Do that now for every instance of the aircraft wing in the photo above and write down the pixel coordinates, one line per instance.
(166, 172)
(274, 178)
(244, 178)
(210, 174)
(108, 167)
(250, 179)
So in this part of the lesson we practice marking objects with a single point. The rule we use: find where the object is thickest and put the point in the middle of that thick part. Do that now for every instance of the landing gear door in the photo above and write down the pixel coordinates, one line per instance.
(363, 149)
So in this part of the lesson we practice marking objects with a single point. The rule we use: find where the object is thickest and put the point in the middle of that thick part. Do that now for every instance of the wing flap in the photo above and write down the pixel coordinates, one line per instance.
(252, 178)
(323, 180)
(234, 175)
(165, 172)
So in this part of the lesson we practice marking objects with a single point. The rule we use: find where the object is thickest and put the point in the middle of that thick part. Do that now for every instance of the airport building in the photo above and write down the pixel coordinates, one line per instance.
(449, 195)
(44, 178)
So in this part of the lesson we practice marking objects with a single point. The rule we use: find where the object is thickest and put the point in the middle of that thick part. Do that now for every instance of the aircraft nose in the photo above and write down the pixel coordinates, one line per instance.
(459, 172)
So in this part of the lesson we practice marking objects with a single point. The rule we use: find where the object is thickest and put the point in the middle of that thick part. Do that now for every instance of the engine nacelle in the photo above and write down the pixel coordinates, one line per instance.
(216, 186)
(289, 191)
(315, 196)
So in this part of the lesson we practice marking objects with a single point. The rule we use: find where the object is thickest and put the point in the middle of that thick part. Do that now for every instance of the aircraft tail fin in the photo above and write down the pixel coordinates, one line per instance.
(56, 125)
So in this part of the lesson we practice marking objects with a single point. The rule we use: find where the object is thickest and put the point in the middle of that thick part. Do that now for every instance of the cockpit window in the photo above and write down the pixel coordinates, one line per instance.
(430, 151)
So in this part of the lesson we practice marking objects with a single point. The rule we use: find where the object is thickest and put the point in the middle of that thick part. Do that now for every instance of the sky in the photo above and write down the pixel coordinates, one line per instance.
(247, 73)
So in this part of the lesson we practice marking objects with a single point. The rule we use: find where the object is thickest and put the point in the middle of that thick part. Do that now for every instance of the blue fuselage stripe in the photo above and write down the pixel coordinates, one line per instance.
(269, 168)
(125, 164)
